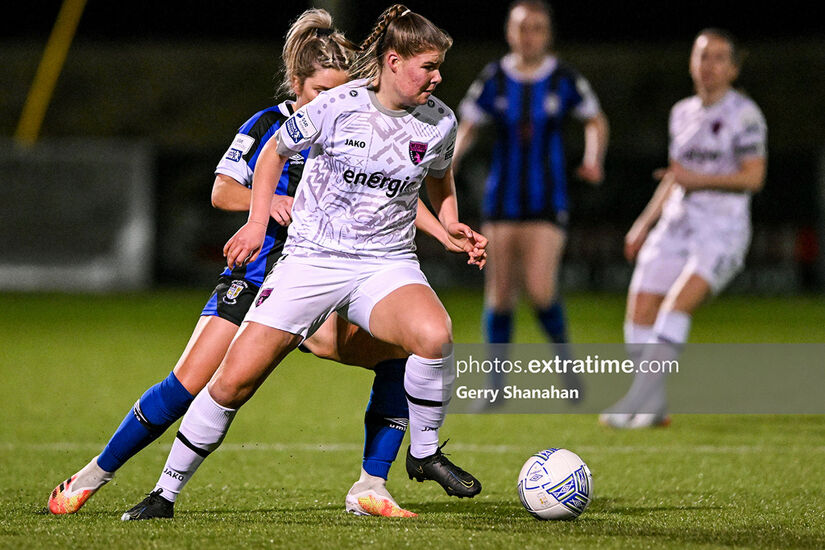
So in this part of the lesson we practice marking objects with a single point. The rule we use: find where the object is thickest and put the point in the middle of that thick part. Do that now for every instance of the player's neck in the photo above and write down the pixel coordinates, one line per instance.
(388, 97)
(528, 65)
(711, 97)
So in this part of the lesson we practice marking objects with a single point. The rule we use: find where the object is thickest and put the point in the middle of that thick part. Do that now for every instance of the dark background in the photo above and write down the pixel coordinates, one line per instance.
(182, 76)
(576, 21)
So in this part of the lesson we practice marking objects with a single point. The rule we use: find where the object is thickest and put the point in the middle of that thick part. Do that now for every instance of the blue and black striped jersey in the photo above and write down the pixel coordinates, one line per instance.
(527, 179)
(239, 163)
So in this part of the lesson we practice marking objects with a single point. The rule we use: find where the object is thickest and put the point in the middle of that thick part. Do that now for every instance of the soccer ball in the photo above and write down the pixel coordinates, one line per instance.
(555, 484)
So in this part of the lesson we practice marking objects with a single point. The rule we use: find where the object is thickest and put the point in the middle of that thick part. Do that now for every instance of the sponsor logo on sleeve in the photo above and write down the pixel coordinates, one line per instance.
(300, 127)
(241, 145)
(292, 131)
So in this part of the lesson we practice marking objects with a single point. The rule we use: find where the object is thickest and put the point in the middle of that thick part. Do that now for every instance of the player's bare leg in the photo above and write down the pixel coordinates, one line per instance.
(541, 248)
(241, 373)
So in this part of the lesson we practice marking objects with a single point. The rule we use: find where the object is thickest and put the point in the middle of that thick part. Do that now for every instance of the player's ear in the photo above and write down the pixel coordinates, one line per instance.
(392, 59)
(297, 86)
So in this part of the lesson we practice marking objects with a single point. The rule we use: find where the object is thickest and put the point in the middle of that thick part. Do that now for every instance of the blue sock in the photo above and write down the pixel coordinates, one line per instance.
(498, 326)
(553, 321)
(156, 410)
(386, 418)
(498, 329)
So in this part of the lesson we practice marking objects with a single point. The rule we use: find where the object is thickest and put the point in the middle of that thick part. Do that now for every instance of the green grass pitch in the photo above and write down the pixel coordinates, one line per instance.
(72, 366)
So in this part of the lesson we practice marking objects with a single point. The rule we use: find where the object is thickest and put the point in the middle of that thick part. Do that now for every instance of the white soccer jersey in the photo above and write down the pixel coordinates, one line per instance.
(715, 140)
(366, 164)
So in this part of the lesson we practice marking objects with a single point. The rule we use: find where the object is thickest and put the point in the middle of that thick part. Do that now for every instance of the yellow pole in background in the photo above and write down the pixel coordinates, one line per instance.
(49, 69)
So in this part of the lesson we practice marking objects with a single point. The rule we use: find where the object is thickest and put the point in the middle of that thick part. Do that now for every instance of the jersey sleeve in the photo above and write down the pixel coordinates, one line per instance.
(442, 163)
(239, 160)
(478, 106)
(306, 127)
(588, 105)
(750, 138)
(234, 163)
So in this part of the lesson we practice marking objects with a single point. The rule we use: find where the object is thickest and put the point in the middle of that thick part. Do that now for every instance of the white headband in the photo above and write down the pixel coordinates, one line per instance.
(405, 13)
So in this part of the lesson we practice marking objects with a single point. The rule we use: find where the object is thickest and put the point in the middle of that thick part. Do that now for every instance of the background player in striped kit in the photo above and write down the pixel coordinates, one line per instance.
(702, 204)
(316, 59)
(350, 245)
(528, 94)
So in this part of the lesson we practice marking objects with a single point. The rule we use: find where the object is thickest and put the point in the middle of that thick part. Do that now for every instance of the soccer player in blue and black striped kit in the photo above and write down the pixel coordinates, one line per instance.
(316, 58)
(528, 95)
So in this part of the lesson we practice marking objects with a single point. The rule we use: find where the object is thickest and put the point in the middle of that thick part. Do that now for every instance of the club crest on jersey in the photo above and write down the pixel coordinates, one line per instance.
(263, 296)
(417, 151)
(235, 289)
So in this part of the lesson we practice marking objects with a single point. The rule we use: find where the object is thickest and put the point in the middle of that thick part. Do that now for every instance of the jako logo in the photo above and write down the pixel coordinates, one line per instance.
(355, 143)
(173, 474)
(377, 180)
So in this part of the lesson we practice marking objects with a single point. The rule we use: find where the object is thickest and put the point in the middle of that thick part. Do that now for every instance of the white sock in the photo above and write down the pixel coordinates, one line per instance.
(370, 482)
(635, 336)
(203, 428)
(670, 333)
(429, 384)
(91, 476)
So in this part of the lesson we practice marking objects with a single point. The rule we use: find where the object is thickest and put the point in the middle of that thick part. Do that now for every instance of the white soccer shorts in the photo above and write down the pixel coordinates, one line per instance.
(300, 292)
(714, 251)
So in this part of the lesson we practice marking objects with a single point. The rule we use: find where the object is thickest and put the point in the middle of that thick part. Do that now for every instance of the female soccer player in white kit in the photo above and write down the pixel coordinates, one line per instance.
(717, 160)
(350, 246)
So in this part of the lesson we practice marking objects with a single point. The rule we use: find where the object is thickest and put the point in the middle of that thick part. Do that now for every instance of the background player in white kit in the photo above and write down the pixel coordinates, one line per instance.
(350, 247)
(717, 160)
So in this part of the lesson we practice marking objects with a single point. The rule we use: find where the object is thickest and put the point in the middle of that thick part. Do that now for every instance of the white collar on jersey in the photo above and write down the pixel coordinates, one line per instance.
(287, 107)
(508, 65)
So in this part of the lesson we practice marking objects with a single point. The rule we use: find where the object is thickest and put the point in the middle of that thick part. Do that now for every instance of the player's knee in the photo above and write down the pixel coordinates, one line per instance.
(322, 348)
(643, 308)
(230, 391)
(432, 336)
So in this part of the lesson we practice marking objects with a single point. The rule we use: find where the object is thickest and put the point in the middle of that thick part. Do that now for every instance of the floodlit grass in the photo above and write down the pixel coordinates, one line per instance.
(72, 366)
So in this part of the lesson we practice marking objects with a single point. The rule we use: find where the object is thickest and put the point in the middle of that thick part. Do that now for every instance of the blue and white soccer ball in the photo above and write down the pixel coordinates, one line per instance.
(555, 484)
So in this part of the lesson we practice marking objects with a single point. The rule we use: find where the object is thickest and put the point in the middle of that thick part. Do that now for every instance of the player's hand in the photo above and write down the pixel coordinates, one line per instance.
(634, 240)
(591, 173)
(281, 209)
(687, 179)
(244, 245)
(463, 239)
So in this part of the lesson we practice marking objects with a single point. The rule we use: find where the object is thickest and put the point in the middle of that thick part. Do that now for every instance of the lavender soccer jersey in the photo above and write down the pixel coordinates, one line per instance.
(714, 140)
(359, 190)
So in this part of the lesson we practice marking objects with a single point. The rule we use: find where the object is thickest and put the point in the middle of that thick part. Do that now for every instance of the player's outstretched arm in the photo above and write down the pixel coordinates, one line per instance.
(245, 245)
